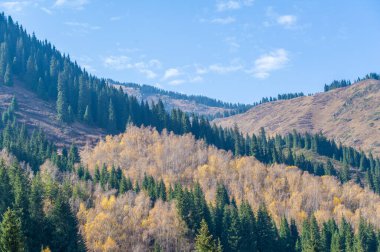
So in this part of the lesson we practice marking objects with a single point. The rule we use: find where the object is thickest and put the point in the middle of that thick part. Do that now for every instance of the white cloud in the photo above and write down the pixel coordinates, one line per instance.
(14, 6)
(232, 44)
(287, 20)
(220, 69)
(171, 73)
(232, 4)
(217, 68)
(117, 62)
(46, 10)
(124, 62)
(223, 21)
(176, 82)
(75, 4)
(148, 73)
(228, 5)
(115, 18)
(84, 26)
(201, 70)
(267, 63)
(196, 79)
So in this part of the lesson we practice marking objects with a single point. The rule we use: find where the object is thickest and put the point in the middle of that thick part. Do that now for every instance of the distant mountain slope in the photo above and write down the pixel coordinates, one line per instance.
(350, 115)
(198, 104)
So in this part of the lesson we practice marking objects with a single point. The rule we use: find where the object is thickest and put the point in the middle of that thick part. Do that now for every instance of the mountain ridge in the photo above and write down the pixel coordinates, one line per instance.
(349, 115)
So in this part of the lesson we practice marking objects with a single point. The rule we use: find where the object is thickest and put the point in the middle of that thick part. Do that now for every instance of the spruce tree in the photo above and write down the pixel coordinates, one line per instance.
(204, 241)
(248, 228)
(11, 234)
(111, 125)
(62, 107)
(285, 237)
(266, 231)
(8, 79)
(336, 243)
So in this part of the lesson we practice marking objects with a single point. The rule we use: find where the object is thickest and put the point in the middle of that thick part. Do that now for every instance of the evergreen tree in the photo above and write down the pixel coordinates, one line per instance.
(204, 241)
(11, 234)
(266, 231)
(111, 125)
(234, 234)
(310, 239)
(248, 228)
(62, 107)
(63, 229)
(286, 242)
(36, 235)
(336, 243)
(8, 79)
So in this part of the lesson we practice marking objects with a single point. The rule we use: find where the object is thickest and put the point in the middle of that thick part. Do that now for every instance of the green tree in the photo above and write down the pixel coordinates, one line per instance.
(8, 80)
(266, 231)
(111, 125)
(310, 239)
(285, 236)
(248, 228)
(204, 241)
(11, 234)
(62, 106)
(336, 243)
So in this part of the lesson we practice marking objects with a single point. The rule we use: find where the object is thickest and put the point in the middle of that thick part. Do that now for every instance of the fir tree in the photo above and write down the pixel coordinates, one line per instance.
(62, 107)
(204, 241)
(11, 234)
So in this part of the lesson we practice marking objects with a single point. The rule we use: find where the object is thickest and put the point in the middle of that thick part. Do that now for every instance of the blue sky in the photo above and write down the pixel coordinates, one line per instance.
(234, 50)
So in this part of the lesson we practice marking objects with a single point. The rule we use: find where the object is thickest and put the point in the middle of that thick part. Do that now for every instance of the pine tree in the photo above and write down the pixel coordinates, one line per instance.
(111, 125)
(286, 242)
(310, 239)
(63, 227)
(204, 241)
(62, 107)
(336, 243)
(248, 228)
(8, 76)
(87, 115)
(234, 235)
(123, 185)
(36, 230)
(11, 234)
(266, 231)
(6, 195)
(82, 98)
(345, 173)
(347, 235)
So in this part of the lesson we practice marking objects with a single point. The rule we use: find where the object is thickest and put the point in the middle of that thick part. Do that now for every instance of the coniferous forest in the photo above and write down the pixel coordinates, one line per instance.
(173, 181)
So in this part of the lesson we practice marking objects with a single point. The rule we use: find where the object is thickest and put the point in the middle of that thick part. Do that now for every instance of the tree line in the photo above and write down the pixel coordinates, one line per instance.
(345, 83)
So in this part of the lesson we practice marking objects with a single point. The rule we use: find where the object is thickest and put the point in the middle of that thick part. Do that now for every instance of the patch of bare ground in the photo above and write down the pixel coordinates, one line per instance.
(37, 113)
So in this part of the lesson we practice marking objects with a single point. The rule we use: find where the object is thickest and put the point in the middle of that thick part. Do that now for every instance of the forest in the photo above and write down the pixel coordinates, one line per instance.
(168, 181)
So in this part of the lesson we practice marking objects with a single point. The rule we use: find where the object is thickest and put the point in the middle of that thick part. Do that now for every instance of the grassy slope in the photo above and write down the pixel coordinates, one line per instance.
(36, 113)
(350, 115)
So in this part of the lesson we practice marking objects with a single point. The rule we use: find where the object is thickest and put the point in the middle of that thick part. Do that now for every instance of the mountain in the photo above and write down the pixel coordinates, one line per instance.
(162, 180)
(350, 115)
(197, 104)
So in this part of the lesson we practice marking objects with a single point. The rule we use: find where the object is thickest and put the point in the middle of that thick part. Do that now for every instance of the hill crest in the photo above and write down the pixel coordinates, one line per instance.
(350, 115)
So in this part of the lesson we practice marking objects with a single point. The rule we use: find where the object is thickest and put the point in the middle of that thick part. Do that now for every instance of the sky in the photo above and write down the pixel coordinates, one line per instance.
(232, 50)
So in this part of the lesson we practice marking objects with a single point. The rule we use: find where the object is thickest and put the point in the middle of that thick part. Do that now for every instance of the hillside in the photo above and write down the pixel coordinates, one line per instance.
(36, 113)
(286, 190)
(197, 104)
(349, 115)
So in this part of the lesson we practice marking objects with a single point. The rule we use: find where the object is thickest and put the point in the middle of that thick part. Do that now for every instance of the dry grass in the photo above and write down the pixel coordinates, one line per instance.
(349, 115)
(36, 113)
